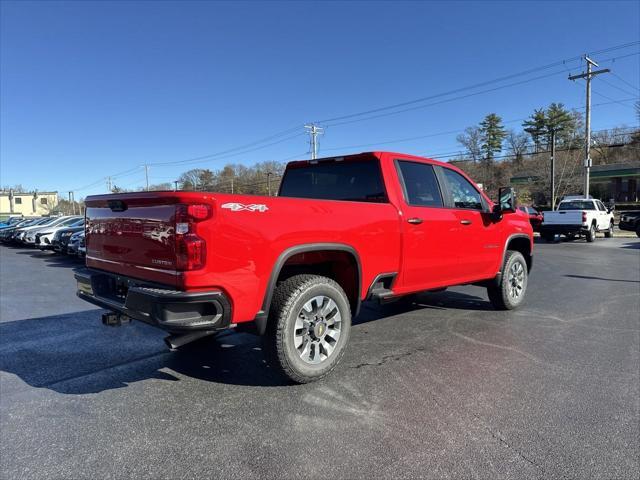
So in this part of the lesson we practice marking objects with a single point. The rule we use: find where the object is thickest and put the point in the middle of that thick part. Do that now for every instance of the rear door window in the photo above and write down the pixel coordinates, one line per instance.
(420, 184)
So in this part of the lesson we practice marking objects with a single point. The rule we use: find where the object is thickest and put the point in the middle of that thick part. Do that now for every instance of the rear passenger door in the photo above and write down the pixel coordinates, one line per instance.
(479, 251)
(430, 231)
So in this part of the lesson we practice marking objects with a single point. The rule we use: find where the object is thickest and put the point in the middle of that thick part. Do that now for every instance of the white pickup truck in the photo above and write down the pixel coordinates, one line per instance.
(577, 217)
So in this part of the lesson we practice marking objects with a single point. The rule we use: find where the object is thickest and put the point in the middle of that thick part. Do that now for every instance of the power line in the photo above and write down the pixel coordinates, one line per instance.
(450, 99)
(440, 102)
(223, 155)
(224, 152)
(619, 102)
(617, 87)
(635, 87)
(450, 132)
(474, 86)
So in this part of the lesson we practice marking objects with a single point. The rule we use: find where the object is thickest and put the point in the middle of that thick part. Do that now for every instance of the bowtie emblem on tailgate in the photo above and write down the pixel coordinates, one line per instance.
(239, 207)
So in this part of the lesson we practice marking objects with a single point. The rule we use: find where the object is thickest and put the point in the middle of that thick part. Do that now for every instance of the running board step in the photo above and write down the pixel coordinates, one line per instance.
(381, 294)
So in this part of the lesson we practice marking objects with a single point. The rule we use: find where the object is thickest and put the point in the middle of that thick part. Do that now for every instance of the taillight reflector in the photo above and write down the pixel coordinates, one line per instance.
(191, 252)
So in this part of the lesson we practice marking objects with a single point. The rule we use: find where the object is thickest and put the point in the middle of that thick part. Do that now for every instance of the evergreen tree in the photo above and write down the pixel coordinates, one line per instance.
(492, 134)
(561, 121)
(536, 127)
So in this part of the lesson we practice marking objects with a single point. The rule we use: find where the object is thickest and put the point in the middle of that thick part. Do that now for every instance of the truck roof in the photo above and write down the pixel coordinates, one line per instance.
(381, 155)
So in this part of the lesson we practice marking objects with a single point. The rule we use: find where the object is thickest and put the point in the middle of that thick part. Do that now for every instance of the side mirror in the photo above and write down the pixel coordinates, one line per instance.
(506, 199)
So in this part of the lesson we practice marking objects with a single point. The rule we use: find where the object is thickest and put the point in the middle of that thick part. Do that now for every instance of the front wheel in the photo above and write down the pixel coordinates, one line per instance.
(609, 232)
(509, 293)
(591, 233)
(309, 326)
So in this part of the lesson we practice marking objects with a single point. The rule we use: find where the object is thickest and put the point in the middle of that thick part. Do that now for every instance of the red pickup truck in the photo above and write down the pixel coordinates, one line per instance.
(296, 267)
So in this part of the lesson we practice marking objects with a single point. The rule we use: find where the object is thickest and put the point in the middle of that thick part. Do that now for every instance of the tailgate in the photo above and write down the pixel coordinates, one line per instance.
(133, 236)
(563, 217)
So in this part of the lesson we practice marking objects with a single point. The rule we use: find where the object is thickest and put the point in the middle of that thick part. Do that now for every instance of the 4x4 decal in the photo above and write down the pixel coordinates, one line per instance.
(239, 207)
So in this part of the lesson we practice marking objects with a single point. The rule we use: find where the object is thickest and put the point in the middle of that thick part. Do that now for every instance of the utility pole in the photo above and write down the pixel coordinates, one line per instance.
(146, 175)
(269, 183)
(175, 185)
(231, 184)
(587, 146)
(70, 202)
(553, 169)
(109, 186)
(314, 131)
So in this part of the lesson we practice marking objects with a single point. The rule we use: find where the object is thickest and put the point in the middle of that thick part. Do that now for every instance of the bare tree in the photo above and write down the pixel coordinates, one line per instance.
(471, 139)
(518, 144)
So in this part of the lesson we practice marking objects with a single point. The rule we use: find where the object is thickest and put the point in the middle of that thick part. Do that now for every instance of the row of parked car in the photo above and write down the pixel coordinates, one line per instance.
(64, 234)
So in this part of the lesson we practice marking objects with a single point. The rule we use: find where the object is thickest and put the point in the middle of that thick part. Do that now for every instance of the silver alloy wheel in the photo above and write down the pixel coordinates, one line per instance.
(516, 280)
(317, 329)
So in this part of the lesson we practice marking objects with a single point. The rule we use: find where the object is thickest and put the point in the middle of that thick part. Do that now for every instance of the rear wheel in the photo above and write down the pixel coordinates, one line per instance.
(509, 293)
(591, 233)
(609, 232)
(309, 326)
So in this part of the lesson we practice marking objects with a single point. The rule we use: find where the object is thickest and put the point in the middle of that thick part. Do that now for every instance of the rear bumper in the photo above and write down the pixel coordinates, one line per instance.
(171, 310)
(563, 229)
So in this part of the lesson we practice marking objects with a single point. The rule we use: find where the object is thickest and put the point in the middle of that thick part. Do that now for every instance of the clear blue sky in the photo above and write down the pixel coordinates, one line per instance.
(89, 89)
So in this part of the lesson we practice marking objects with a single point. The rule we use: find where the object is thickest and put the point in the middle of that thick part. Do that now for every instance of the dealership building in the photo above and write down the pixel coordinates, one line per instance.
(29, 204)
(618, 183)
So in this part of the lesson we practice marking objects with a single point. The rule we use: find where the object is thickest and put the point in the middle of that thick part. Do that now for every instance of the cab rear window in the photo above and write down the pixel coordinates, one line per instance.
(355, 181)
(576, 205)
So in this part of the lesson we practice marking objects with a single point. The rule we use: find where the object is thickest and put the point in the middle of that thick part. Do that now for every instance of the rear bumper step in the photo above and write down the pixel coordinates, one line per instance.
(171, 310)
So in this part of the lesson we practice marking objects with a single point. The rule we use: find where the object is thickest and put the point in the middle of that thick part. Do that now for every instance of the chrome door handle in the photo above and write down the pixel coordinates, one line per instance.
(415, 221)
(466, 222)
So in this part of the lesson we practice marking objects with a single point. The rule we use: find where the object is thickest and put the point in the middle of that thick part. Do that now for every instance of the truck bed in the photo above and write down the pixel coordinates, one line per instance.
(134, 235)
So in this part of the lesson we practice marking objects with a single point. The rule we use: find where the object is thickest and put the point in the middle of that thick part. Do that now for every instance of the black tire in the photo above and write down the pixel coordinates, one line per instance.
(638, 230)
(591, 233)
(502, 295)
(548, 237)
(286, 308)
(609, 232)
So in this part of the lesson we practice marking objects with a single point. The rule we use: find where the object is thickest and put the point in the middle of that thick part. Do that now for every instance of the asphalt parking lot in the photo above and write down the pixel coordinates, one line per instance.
(446, 387)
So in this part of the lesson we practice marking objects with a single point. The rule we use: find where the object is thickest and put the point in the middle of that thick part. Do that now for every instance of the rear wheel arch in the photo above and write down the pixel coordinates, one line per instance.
(337, 261)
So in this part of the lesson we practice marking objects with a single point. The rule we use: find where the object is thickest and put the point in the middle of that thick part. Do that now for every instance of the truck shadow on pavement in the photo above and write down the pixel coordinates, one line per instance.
(75, 354)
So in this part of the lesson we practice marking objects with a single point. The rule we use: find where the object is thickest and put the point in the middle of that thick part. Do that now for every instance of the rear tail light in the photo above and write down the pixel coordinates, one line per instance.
(191, 250)
(584, 217)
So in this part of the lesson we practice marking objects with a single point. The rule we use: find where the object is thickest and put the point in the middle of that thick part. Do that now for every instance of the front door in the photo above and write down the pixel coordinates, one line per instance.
(478, 233)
